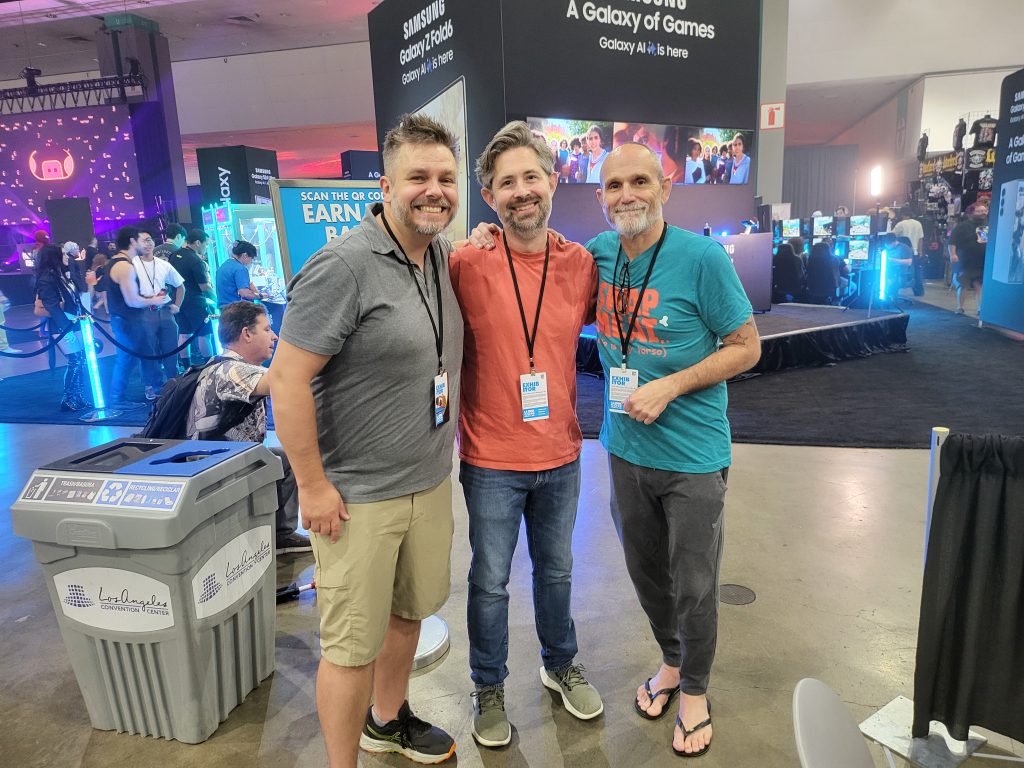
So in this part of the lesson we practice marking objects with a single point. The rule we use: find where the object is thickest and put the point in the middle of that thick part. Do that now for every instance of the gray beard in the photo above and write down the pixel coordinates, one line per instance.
(531, 227)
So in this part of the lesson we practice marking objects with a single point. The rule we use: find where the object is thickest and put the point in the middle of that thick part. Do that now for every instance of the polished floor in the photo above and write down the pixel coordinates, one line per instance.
(830, 540)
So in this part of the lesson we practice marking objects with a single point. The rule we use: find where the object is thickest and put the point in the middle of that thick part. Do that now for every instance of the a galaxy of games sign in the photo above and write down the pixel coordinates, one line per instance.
(88, 153)
(675, 62)
(310, 213)
(1004, 259)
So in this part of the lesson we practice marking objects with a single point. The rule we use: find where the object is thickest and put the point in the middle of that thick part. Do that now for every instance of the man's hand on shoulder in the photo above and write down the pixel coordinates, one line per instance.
(323, 510)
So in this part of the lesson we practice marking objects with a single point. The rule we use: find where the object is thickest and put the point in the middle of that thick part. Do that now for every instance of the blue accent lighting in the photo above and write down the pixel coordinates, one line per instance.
(881, 275)
(89, 340)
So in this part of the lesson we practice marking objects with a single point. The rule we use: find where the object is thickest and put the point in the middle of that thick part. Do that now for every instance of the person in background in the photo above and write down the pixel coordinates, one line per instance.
(5, 305)
(709, 179)
(156, 276)
(899, 263)
(823, 273)
(98, 281)
(193, 318)
(75, 260)
(694, 163)
(127, 306)
(174, 240)
(91, 250)
(239, 381)
(788, 279)
(967, 246)
(233, 279)
(799, 248)
(575, 155)
(910, 228)
(723, 164)
(59, 297)
(739, 168)
(596, 142)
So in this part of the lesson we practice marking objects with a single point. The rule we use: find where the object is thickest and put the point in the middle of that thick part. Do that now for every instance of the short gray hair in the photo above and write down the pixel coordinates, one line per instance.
(659, 173)
(416, 129)
(512, 136)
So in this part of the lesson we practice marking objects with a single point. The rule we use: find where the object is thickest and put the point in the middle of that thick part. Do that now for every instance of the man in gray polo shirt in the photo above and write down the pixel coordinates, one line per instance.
(365, 384)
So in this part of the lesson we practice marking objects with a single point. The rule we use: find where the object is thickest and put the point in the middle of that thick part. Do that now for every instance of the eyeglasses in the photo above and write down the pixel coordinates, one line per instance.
(622, 289)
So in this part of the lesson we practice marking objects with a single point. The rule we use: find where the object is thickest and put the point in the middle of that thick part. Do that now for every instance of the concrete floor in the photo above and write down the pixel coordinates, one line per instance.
(830, 539)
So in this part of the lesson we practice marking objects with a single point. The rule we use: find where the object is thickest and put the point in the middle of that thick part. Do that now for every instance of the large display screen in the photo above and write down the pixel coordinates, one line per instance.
(790, 228)
(689, 154)
(86, 152)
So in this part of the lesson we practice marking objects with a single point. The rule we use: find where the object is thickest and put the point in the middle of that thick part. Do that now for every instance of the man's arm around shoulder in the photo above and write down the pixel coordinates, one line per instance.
(290, 379)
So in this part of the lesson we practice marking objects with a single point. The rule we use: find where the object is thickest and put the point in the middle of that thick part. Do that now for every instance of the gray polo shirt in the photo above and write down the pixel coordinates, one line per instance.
(356, 301)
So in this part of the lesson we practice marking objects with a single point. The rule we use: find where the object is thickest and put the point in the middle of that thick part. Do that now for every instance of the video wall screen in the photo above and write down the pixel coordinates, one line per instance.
(87, 152)
(689, 155)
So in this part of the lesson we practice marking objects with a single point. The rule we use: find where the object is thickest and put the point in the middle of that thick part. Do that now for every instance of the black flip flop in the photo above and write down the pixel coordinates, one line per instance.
(688, 733)
(670, 692)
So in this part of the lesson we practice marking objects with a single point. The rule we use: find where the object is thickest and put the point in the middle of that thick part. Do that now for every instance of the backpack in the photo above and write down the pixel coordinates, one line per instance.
(169, 418)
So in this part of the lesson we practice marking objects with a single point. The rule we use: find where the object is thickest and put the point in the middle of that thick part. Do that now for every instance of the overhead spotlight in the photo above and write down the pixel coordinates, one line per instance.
(134, 66)
(30, 74)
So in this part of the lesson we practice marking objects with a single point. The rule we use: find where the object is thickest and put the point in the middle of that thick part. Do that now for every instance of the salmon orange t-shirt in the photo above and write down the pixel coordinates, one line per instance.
(492, 433)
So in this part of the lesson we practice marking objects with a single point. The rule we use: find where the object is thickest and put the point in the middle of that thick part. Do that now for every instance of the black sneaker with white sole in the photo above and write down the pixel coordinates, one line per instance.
(292, 542)
(409, 736)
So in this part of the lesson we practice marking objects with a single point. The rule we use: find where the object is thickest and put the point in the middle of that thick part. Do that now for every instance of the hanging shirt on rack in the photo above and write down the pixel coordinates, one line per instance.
(984, 131)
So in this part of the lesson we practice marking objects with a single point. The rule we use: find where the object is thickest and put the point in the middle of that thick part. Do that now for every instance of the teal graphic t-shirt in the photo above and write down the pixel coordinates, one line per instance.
(693, 299)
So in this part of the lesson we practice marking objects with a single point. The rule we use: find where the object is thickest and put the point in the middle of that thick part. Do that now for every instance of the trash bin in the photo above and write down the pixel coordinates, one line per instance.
(159, 555)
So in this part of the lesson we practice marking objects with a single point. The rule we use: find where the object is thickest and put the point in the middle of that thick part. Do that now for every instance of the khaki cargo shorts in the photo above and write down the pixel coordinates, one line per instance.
(392, 557)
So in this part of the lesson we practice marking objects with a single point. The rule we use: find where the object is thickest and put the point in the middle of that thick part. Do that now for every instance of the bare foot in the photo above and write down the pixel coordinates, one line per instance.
(667, 677)
(692, 711)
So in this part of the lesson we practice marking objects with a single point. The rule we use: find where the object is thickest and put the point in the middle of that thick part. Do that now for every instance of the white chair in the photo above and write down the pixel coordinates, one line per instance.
(827, 736)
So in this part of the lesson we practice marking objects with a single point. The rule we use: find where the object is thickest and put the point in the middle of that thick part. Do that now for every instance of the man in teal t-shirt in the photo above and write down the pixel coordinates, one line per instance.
(674, 324)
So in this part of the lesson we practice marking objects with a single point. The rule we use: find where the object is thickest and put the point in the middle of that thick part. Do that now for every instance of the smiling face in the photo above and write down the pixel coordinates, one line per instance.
(737, 147)
(594, 142)
(521, 192)
(422, 192)
(632, 190)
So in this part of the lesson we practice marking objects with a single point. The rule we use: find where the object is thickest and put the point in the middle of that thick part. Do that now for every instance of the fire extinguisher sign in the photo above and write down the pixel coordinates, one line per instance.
(773, 116)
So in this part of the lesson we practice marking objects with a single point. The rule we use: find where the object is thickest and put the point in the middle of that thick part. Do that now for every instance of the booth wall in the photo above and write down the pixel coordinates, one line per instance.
(947, 97)
(771, 145)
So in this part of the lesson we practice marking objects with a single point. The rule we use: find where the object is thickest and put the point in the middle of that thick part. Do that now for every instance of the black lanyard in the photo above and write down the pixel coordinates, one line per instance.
(149, 277)
(624, 340)
(531, 339)
(438, 327)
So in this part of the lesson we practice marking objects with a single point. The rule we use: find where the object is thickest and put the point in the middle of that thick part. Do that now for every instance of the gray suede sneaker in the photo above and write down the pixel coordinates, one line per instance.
(490, 723)
(579, 696)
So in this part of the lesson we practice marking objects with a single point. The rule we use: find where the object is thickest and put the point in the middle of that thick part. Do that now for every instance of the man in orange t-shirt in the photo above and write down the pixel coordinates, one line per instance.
(524, 304)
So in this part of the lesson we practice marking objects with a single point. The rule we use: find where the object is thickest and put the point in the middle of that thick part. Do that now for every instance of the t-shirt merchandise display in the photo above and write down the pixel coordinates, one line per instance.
(958, 134)
(984, 131)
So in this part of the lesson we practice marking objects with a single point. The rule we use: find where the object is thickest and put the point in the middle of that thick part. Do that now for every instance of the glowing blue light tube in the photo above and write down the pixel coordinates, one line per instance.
(881, 276)
(89, 341)
(215, 322)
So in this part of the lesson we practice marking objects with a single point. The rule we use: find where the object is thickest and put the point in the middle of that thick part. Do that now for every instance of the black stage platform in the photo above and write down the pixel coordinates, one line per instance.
(796, 335)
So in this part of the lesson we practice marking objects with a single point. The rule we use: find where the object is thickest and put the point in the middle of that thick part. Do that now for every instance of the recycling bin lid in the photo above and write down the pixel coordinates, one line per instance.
(148, 457)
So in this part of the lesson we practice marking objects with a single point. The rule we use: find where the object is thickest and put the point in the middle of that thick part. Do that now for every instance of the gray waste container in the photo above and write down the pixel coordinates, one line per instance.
(159, 558)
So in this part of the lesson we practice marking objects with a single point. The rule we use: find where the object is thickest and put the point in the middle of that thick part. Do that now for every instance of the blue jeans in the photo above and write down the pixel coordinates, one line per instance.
(497, 500)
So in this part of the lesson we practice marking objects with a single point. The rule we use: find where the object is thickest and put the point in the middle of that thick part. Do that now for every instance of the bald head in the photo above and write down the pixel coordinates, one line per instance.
(631, 156)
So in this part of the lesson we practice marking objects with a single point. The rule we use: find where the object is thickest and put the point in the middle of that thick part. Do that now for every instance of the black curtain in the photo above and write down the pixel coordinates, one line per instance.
(970, 646)
(819, 177)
